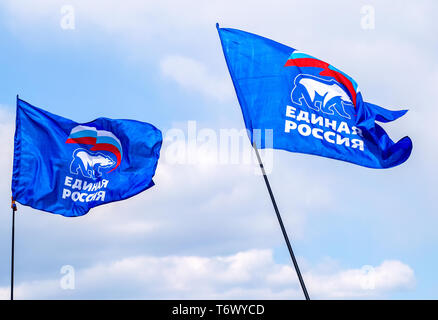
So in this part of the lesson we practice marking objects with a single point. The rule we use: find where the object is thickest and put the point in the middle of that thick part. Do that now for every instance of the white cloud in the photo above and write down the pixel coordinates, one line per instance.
(250, 274)
(193, 75)
(366, 282)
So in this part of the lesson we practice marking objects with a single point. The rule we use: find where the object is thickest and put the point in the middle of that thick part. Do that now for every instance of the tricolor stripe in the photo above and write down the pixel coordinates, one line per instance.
(300, 59)
(101, 140)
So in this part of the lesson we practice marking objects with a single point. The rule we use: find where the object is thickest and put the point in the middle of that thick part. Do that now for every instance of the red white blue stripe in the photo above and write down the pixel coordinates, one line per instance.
(101, 140)
(301, 59)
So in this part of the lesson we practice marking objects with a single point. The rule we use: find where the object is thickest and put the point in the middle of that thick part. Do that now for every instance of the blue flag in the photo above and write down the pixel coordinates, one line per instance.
(309, 105)
(67, 168)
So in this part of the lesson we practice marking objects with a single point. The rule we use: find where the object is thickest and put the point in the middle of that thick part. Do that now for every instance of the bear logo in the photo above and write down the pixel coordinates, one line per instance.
(90, 163)
(321, 95)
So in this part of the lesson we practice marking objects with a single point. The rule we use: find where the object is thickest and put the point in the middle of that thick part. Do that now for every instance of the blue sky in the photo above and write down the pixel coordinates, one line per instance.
(207, 230)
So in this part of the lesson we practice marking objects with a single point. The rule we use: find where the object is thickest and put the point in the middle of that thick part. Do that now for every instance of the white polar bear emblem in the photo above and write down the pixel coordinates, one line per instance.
(334, 98)
(89, 163)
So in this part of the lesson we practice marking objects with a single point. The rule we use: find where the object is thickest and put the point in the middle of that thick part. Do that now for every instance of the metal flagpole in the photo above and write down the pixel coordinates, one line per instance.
(14, 208)
(280, 221)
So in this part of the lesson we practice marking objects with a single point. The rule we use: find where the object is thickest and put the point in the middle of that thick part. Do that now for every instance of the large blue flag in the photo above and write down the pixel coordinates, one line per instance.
(67, 168)
(310, 106)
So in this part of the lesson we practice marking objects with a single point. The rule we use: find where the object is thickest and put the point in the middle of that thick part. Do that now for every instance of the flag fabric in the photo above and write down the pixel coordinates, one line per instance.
(309, 105)
(67, 168)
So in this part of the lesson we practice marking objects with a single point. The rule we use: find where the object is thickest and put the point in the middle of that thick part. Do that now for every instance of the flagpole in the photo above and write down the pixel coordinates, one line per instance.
(283, 229)
(14, 208)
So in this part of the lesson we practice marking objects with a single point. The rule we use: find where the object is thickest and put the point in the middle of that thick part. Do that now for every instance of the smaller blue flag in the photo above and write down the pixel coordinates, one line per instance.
(67, 168)
(309, 105)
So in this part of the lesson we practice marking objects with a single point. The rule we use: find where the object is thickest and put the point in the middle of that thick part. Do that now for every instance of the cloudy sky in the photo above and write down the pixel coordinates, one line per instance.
(207, 229)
